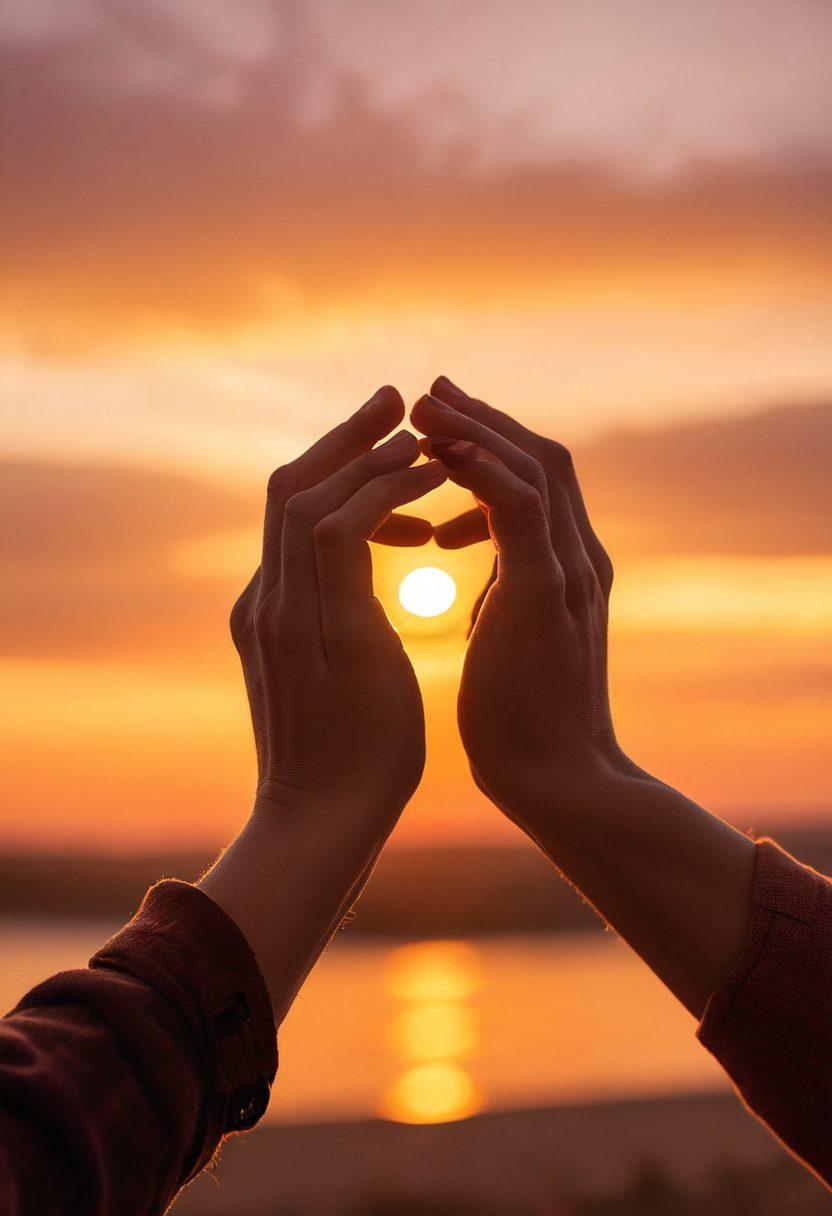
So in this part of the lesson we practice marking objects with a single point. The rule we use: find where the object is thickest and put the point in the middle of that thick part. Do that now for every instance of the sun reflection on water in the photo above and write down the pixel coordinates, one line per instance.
(433, 1031)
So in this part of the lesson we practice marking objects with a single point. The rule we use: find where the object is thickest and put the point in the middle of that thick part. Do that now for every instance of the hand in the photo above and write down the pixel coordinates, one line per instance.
(534, 711)
(336, 708)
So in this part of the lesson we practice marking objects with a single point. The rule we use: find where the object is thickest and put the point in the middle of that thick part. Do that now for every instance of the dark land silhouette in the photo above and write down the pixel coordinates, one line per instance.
(414, 892)
(609, 1159)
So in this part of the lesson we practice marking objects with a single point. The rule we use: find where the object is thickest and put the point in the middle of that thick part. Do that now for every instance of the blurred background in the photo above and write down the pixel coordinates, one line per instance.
(223, 226)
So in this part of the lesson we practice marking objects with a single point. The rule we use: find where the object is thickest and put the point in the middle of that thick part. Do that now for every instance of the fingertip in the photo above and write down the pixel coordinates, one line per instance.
(391, 395)
(443, 387)
(402, 445)
(467, 529)
(388, 401)
(455, 454)
(404, 531)
(418, 412)
(432, 470)
(420, 415)
(419, 532)
(445, 538)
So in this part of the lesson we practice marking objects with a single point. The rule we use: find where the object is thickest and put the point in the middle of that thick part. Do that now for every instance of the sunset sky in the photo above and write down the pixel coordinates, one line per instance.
(224, 225)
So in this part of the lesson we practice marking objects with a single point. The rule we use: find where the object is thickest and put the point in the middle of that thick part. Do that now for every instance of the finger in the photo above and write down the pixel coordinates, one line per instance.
(445, 390)
(346, 441)
(441, 421)
(566, 537)
(465, 529)
(555, 458)
(516, 516)
(344, 565)
(303, 511)
(403, 530)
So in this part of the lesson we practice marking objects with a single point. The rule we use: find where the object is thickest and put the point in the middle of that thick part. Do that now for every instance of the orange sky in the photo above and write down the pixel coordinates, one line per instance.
(225, 227)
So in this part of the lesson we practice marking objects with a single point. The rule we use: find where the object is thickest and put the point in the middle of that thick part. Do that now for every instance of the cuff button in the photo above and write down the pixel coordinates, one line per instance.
(246, 1106)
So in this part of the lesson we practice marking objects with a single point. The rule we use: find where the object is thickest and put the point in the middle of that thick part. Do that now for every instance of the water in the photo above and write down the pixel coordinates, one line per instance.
(431, 1031)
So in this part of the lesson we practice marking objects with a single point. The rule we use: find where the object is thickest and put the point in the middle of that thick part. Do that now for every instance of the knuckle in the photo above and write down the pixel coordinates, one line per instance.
(538, 476)
(558, 457)
(582, 584)
(557, 577)
(279, 482)
(530, 510)
(605, 569)
(240, 619)
(263, 617)
(299, 510)
(328, 532)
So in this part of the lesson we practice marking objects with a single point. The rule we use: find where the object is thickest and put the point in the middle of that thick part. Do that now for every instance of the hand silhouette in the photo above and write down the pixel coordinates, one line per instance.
(534, 710)
(533, 706)
(336, 708)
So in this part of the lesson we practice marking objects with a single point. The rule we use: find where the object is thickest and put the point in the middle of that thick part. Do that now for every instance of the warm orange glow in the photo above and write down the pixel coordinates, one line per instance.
(212, 261)
(434, 1031)
(433, 972)
(432, 1093)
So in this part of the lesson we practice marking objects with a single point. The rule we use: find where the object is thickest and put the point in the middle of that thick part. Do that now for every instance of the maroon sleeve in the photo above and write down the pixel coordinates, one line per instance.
(770, 1022)
(118, 1081)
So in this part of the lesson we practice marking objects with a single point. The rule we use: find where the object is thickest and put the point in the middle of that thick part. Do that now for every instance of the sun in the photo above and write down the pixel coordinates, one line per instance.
(427, 591)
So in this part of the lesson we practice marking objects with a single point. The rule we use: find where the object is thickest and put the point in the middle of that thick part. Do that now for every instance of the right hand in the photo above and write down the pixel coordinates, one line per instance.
(533, 710)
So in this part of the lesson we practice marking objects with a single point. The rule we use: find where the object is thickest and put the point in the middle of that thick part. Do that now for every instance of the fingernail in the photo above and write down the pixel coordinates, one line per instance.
(452, 454)
(449, 386)
(431, 472)
(434, 401)
(402, 439)
(376, 397)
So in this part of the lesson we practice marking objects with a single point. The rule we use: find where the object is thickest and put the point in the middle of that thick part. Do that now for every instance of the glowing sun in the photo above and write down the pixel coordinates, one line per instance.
(427, 591)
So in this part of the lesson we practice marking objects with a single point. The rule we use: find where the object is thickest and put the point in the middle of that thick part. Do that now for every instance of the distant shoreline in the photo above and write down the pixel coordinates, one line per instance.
(414, 892)
(687, 1143)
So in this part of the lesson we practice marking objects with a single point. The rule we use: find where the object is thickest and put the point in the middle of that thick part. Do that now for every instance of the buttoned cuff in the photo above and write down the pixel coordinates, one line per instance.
(186, 947)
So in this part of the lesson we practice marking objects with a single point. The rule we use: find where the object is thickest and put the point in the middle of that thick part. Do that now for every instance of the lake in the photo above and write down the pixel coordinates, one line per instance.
(431, 1031)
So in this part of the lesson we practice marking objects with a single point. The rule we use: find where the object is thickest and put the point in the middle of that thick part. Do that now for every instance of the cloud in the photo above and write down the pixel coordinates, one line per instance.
(643, 84)
(170, 172)
(745, 485)
(87, 553)
(648, 87)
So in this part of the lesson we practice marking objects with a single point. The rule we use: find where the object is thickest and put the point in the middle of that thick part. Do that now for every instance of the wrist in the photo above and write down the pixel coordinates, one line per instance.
(291, 875)
(611, 817)
(559, 796)
(288, 812)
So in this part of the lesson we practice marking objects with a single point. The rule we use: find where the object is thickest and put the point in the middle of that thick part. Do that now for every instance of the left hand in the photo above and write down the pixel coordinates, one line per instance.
(336, 708)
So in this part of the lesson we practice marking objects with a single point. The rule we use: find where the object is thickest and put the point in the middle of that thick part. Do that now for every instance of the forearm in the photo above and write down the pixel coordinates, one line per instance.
(289, 879)
(673, 880)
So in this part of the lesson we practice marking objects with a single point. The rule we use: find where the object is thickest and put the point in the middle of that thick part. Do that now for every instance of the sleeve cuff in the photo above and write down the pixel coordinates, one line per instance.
(187, 948)
(785, 901)
(767, 991)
